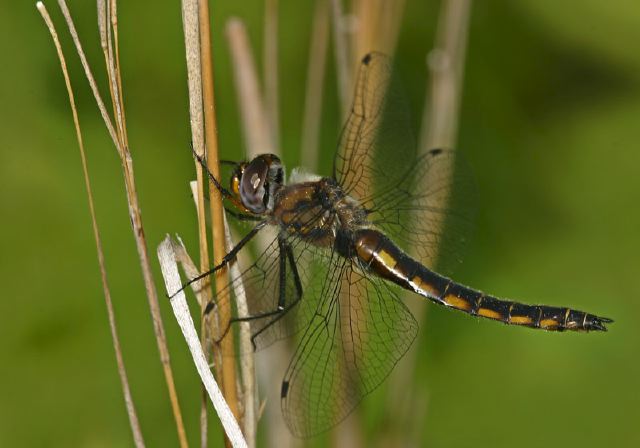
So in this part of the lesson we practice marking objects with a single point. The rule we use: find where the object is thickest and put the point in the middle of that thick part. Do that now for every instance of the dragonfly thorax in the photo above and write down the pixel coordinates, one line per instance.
(317, 211)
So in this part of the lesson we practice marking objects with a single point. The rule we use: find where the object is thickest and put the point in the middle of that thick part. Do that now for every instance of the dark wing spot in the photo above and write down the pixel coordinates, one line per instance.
(285, 389)
(366, 59)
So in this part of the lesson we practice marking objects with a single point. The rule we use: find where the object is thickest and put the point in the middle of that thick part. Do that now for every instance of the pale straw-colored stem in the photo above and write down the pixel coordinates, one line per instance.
(114, 27)
(439, 129)
(247, 360)
(169, 267)
(191, 28)
(270, 63)
(446, 67)
(126, 390)
(343, 59)
(200, 73)
(256, 136)
(315, 83)
(254, 122)
(137, 227)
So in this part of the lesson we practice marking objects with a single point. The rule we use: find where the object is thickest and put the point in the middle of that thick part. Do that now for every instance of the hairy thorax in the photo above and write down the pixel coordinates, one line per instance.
(317, 211)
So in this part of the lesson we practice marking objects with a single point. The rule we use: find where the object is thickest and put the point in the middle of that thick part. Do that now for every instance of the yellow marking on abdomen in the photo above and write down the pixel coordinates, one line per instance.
(426, 287)
(520, 320)
(457, 302)
(387, 259)
(491, 314)
(548, 323)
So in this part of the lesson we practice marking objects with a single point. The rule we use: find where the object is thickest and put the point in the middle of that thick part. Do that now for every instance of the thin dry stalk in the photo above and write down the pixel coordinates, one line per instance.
(136, 222)
(217, 222)
(446, 65)
(378, 25)
(190, 17)
(439, 129)
(247, 362)
(249, 392)
(169, 267)
(108, 34)
(341, 51)
(370, 18)
(271, 70)
(189, 268)
(248, 371)
(367, 17)
(315, 84)
(126, 390)
(198, 47)
(205, 294)
(112, 76)
(114, 27)
(389, 24)
(256, 136)
(254, 121)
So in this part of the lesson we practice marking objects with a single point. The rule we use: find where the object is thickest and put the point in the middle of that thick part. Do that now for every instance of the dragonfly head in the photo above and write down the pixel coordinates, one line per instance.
(256, 182)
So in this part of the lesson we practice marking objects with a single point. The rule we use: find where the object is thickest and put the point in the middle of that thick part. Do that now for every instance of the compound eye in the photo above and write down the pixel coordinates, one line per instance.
(236, 176)
(252, 186)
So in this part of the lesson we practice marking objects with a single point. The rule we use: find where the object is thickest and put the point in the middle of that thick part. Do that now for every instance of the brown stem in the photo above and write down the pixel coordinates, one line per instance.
(217, 225)
(137, 227)
(122, 372)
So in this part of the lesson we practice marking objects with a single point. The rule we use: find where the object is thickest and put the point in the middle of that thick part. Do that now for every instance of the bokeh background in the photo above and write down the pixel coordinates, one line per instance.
(549, 124)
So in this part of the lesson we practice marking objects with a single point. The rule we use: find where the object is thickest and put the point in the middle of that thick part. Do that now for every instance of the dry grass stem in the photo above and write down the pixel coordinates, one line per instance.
(439, 129)
(271, 70)
(368, 37)
(126, 390)
(367, 16)
(256, 136)
(390, 23)
(315, 83)
(247, 361)
(255, 124)
(194, 82)
(167, 258)
(122, 115)
(136, 222)
(378, 26)
(446, 65)
(215, 204)
(343, 59)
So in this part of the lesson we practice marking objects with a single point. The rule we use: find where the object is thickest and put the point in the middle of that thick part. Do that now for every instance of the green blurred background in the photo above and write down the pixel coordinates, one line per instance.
(550, 125)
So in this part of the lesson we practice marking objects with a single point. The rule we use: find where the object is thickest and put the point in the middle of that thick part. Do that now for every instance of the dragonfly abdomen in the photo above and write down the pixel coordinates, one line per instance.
(388, 261)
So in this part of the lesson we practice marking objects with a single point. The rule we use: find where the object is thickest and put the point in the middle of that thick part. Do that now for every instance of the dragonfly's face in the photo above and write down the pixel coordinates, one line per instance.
(256, 182)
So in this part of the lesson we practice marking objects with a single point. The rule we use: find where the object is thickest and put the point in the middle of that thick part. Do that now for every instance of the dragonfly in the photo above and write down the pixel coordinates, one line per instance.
(343, 248)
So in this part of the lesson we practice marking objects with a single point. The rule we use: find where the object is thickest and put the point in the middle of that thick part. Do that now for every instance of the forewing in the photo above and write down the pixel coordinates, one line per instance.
(359, 332)
(423, 201)
(377, 144)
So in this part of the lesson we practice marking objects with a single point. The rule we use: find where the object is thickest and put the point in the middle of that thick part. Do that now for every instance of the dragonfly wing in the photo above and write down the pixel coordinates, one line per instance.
(423, 201)
(377, 143)
(356, 336)
(282, 288)
(430, 213)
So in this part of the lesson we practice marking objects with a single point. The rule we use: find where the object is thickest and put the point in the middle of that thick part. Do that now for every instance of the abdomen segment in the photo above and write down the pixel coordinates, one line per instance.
(385, 259)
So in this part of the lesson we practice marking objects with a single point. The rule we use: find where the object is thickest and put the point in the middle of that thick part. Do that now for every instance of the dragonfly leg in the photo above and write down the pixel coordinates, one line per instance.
(223, 191)
(286, 256)
(230, 256)
(241, 216)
